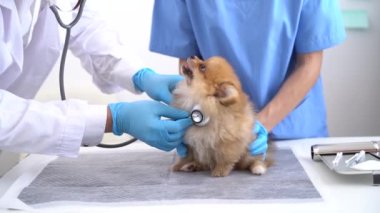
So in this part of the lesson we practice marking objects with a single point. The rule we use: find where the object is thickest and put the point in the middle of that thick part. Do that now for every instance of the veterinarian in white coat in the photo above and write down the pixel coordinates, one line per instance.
(30, 44)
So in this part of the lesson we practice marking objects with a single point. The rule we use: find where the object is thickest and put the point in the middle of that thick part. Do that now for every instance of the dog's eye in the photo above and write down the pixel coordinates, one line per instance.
(202, 67)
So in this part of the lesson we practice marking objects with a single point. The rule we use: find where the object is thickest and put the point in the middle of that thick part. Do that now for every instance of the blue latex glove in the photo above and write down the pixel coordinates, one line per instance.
(156, 86)
(182, 150)
(142, 119)
(260, 145)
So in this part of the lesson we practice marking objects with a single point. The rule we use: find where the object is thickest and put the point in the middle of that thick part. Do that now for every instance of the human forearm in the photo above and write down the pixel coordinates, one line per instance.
(54, 128)
(294, 89)
(108, 121)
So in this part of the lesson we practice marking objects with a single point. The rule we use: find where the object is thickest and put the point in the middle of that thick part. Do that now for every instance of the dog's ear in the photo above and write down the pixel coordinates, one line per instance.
(226, 93)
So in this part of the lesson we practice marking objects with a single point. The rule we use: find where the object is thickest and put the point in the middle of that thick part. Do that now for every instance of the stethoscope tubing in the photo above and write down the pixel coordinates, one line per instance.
(80, 6)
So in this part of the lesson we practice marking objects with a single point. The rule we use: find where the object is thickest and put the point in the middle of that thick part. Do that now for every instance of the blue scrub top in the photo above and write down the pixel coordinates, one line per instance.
(260, 38)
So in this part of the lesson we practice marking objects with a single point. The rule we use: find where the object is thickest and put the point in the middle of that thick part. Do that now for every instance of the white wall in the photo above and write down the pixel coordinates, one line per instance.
(351, 75)
(351, 72)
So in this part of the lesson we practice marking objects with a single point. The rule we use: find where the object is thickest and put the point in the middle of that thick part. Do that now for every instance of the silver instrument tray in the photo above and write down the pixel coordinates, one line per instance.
(328, 152)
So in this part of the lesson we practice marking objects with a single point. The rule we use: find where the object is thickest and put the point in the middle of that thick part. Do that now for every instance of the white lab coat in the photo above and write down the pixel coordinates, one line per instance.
(31, 42)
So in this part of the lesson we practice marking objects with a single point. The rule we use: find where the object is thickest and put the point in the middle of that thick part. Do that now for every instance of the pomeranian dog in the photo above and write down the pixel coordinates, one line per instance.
(222, 144)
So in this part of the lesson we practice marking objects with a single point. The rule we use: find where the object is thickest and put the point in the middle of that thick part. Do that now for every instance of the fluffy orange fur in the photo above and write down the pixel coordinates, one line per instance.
(221, 145)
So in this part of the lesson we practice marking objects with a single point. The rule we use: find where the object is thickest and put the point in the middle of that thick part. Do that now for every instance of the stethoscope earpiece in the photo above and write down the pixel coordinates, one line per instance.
(197, 116)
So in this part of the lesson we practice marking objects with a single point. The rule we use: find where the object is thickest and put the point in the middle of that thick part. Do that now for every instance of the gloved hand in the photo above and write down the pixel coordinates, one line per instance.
(260, 145)
(156, 86)
(142, 119)
(182, 150)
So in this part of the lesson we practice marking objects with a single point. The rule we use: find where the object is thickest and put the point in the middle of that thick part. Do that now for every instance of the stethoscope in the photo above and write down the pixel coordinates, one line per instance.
(78, 6)
(196, 115)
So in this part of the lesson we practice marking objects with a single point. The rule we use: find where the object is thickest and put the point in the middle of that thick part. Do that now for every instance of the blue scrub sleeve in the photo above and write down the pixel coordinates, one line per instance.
(171, 32)
(320, 27)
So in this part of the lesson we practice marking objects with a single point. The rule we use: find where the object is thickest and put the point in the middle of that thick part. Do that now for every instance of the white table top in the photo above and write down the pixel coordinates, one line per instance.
(340, 193)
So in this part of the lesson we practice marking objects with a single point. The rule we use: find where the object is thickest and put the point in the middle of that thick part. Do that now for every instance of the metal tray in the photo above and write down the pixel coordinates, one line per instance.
(327, 154)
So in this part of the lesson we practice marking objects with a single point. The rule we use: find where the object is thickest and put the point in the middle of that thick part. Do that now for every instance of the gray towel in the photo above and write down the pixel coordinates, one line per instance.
(146, 176)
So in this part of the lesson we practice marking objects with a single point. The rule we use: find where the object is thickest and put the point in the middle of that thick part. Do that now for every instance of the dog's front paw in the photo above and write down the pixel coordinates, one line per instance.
(258, 169)
(221, 171)
(187, 167)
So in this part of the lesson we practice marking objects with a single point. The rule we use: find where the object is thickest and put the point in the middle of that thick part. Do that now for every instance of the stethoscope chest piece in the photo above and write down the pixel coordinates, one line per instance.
(197, 116)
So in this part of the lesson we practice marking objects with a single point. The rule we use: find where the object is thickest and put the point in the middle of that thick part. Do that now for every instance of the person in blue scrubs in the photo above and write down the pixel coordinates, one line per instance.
(276, 48)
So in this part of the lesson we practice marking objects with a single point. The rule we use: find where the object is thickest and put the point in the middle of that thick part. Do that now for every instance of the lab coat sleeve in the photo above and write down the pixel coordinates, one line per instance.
(53, 128)
(320, 26)
(103, 54)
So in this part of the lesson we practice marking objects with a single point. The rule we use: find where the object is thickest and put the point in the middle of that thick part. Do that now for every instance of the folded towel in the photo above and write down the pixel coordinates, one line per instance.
(146, 176)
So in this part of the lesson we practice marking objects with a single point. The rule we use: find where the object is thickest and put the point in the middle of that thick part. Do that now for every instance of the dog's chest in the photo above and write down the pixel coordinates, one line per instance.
(203, 141)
